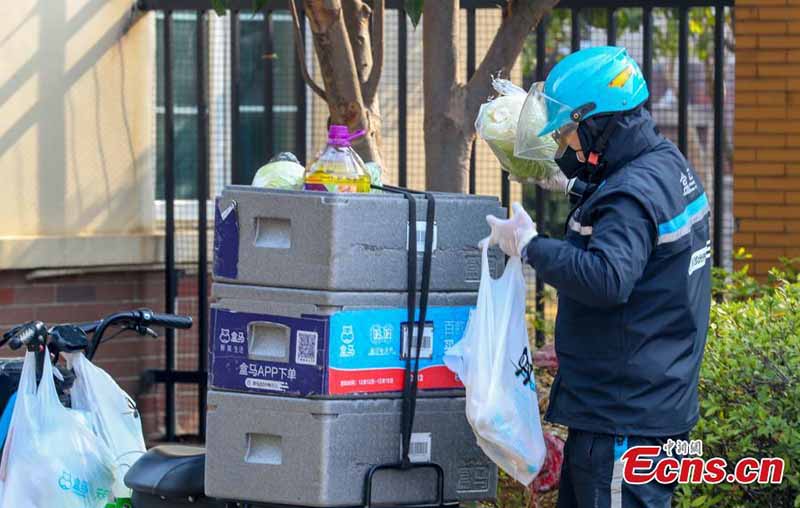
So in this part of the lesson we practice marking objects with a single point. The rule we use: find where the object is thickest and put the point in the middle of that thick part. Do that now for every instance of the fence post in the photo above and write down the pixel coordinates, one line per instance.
(470, 72)
(236, 147)
(541, 219)
(300, 94)
(611, 27)
(402, 99)
(169, 237)
(269, 99)
(505, 184)
(719, 129)
(647, 46)
(575, 29)
(201, 80)
(683, 80)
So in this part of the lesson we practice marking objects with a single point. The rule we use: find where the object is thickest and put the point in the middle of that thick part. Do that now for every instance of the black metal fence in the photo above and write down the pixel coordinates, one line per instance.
(645, 23)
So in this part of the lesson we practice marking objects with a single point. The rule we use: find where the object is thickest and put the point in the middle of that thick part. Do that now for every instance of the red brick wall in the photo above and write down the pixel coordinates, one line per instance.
(767, 130)
(25, 296)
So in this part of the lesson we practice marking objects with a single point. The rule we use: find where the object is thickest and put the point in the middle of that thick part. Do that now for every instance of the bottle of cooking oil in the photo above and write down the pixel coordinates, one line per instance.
(338, 168)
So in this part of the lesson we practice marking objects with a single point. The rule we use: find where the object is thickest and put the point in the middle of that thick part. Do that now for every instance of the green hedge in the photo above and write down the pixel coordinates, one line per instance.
(750, 387)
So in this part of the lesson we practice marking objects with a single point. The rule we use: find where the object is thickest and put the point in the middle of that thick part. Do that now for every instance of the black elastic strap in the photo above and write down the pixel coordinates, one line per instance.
(410, 384)
(600, 144)
(599, 141)
(408, 416)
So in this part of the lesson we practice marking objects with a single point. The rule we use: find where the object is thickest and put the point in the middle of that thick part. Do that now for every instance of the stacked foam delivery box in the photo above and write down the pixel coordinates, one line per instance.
(307, 328)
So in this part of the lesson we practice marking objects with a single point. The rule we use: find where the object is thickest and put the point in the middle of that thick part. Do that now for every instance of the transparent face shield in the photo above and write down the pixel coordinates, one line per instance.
(539, 113)
(561, 137)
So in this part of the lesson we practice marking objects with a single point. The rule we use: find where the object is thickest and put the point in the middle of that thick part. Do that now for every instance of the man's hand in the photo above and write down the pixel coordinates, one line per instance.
(511, 234)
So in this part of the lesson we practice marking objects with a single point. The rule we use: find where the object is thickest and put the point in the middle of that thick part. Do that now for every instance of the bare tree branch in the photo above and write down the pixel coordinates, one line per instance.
(370, 86)
(340, 73)
(523, 17)
(356, 19)
(301, 54)
(360, 20)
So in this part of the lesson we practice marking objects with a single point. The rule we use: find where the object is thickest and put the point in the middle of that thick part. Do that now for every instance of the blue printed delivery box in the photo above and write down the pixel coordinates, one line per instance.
(345, 352)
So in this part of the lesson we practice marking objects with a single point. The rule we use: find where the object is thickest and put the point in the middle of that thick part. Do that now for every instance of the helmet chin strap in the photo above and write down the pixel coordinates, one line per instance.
(596, 141)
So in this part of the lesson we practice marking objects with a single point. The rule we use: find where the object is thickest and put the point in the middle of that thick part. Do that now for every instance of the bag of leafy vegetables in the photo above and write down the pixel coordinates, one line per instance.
(283, 171)
(497, 125)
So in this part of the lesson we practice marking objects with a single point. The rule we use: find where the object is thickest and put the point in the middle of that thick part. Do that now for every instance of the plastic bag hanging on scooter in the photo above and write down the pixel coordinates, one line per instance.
(52, 458)
(116, 418)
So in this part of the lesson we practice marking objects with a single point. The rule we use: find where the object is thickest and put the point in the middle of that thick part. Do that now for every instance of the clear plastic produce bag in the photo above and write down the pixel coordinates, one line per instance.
(494, 362)
(114, 414)
(52, 458)
(497, 124)
(532, 119)
(281, 172)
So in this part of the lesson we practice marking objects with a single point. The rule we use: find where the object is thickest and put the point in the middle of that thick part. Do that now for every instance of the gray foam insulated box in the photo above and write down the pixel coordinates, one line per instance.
(289, 309)
(317, 453)
(358, 242)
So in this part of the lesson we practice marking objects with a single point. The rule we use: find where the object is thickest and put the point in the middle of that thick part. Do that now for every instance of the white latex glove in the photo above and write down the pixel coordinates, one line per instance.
(511, 234)
(557, 183)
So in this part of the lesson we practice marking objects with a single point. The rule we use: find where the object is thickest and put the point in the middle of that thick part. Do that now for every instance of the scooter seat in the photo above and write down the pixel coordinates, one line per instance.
(169, 471)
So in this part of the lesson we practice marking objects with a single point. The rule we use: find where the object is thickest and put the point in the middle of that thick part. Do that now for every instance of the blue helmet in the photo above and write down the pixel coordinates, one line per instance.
(593, 81)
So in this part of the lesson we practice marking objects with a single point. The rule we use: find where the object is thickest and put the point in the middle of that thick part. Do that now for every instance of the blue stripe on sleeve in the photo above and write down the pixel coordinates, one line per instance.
(680, 220)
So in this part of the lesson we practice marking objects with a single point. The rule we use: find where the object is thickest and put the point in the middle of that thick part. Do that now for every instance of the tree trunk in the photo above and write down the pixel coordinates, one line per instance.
(446, 135)
(340, 73)
(451, 107)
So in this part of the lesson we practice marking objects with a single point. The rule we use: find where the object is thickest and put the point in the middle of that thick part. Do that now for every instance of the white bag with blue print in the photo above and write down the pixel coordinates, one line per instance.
(114, 415)
(52, 458)
(494, 362)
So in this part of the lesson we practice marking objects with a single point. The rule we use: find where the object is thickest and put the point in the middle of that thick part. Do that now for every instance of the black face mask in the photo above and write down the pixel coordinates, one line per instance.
(569, 163)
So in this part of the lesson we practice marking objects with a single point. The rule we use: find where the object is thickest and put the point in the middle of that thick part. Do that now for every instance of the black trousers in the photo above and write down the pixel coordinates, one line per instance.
(591, 475)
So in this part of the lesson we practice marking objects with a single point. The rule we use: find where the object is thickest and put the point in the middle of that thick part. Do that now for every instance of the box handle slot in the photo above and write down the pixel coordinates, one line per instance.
(264, 449)
(267, 341)
(273, 233)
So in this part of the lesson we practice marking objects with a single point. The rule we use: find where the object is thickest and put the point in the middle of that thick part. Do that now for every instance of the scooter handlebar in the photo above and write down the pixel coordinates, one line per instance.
(27, 334)
(166, 320)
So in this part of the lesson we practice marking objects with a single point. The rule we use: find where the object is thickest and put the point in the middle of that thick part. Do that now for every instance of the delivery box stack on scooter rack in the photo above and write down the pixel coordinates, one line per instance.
(310, 335)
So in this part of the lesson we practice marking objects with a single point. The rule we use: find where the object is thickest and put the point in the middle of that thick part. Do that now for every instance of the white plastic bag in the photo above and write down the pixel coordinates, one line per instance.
(52, 459)
(493, 361)
(497, 124)
(114, 414)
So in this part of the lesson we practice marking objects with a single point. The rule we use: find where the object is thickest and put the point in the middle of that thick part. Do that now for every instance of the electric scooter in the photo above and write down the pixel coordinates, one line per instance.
(170, 476)
(68, 338)
(166, 476)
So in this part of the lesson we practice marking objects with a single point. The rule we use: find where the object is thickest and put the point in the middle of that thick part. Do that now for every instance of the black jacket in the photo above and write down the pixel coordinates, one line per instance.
(633, 281)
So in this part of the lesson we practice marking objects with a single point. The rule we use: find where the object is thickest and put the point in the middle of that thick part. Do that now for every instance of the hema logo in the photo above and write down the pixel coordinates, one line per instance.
(699, 258)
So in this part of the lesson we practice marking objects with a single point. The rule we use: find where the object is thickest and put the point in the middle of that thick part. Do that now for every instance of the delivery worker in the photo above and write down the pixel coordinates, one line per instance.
(632, 274)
